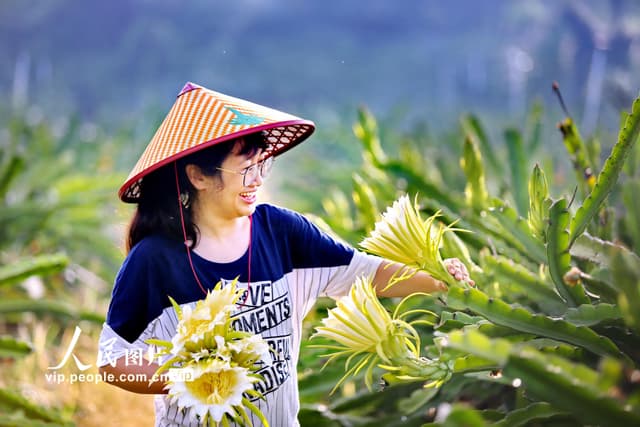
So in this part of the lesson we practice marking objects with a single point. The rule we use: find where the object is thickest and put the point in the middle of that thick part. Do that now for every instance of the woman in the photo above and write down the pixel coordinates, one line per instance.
(198, 222)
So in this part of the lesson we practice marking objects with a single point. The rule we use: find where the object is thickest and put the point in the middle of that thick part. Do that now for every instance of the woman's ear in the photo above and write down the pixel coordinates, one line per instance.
(196, 177)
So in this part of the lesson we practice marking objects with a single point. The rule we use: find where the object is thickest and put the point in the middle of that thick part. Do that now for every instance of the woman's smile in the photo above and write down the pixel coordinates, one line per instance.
(249, 197)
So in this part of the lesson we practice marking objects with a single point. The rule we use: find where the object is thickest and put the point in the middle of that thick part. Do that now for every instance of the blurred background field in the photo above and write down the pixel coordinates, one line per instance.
(85, 83)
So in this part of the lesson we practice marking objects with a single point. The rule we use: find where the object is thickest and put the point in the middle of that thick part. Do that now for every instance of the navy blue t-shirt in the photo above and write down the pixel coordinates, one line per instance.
(157, 267)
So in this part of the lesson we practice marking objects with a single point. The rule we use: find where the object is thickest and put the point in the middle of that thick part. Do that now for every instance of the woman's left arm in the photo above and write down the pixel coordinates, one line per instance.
(419, 282)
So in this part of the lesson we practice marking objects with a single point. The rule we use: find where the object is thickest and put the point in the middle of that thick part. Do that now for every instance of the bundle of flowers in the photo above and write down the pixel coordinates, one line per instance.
(221, 362)
(369, 336)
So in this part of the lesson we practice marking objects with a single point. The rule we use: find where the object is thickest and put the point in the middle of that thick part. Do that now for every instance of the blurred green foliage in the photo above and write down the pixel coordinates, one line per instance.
(57, 248)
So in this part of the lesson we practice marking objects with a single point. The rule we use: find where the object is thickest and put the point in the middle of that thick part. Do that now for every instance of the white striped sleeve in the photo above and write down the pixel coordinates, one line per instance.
(340, 283)
(112, 346)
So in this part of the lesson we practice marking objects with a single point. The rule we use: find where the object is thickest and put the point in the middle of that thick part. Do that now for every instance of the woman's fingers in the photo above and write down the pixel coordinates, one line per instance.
(458, 270)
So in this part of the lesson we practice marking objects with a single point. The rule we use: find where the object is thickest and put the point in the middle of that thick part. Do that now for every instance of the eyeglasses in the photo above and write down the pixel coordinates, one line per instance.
(250, 173)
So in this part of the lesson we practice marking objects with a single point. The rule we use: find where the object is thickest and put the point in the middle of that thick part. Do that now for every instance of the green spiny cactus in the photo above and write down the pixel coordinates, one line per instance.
(539, 204)
(418, 183)
(365, 202)
(595, 250)
(462, 415)
(13, 348)
(560, 387)
(473, 363)
(626, 272)
(471, 162)
(48, 307)
(366, 130)
(515, 230)
(577, 152)
(630, 191)
(515, 276)
(566, 385)
(471, 125)
(531, 264)
(558, 257)
(32, 414)
(9, 170)
(517, 318)
(38, 266)
(518, 167)
(590, 315)
(338, 213)
(537, 411)
(534, 127)
(609, 174)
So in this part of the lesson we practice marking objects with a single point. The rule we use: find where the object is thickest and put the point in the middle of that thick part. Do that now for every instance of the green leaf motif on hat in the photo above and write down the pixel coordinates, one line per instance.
(243, 119)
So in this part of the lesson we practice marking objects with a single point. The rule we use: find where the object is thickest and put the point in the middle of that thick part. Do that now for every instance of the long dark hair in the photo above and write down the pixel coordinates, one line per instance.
(158, 211)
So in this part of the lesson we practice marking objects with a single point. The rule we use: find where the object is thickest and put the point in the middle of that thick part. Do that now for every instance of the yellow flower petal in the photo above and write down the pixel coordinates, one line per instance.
(216, 387)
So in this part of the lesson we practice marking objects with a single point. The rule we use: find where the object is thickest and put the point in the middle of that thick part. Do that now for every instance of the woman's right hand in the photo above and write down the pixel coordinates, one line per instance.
(458, 270)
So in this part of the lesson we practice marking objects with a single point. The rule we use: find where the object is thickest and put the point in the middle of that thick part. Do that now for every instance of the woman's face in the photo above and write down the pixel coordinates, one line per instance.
(227, 195)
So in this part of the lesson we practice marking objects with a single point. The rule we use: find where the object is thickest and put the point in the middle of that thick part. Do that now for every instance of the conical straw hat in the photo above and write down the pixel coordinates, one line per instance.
(201, 118)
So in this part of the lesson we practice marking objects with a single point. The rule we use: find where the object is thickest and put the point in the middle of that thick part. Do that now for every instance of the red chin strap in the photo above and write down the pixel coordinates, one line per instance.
(186, 243)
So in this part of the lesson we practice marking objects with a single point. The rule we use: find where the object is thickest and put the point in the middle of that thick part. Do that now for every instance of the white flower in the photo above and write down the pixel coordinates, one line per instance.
(220, 301)
(247, 351)
(369, 336)
(215, 347)
(216, 388)
(403, 236)
(191, 328)
(359, 322)
(209, 316)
